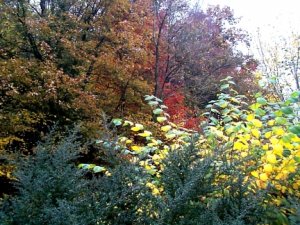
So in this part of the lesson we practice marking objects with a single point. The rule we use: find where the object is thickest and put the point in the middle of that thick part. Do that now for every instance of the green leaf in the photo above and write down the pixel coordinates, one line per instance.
(225, 111)
(280, 120)
(149, 97)
(287, 138)
(260, 112)
(295, 129)
(98, 169)
(286, 152)
(297, 159)
(222, 104)
(215, 111)
(227, 119)
(157, 111)
(295, 94)
(224, 86)
(98, 141)
(214, 120)
(287, 110)
(261, 101)
(117, 122)
(153, 103)
(278, 113)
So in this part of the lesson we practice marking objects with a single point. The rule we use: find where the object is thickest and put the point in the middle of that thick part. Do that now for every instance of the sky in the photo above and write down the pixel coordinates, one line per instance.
(274, 18)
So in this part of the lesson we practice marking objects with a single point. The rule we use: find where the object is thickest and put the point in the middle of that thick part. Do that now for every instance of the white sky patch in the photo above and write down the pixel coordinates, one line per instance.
(274, 18)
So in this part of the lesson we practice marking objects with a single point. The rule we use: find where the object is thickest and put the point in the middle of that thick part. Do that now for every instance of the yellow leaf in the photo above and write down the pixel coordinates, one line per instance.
(136, 148)
(268, 168)
(170, 136)
(244, 154)
(295, 186)
(239, 146)
(150, 185)
(145, 134)
(247, 137)
(295, 139)
(263, 177)
(278, 149)
(156, 157)
(274, 140)
(268, 134)
(255, 133)
(161, 119)
(250, 117)
(288, 146)
(255, 174)
(137, 127)
(166, 128)
(151, 144)
(279, 131)
(271, 158)
(271, 122)
(255, 142)
(257, 123)
(155, 191)
(265, 147)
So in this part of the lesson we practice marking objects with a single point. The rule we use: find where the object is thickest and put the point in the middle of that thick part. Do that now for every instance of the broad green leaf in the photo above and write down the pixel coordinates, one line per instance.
(98, 169)
(149, 97)
(224, 86)
(157, 111)
(280, 120)
(295, 94)
(227, 119)
(117, 122)
(260, 112)
(278, 113)
(153, 103)
(295, 129)
(287, 110)
(286, 152)
(214, 120)
(222, 103)
(215, 111)
(261, 101)
(297, 159)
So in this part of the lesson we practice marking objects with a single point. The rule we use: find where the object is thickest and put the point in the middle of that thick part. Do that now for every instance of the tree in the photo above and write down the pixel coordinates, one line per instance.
(211, 41)
(280, 64)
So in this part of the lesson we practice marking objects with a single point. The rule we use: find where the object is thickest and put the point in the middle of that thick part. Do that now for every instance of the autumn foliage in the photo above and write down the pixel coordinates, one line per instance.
(142, 79)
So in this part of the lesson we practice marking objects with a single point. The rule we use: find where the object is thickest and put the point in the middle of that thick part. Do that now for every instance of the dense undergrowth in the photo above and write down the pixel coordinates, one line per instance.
(243, 168)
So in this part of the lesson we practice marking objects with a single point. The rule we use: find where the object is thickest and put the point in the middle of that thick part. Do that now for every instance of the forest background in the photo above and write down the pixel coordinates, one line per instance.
(88, 65)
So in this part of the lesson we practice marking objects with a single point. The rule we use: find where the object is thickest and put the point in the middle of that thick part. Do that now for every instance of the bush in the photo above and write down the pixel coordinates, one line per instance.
(51, 190)
(195, 191)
